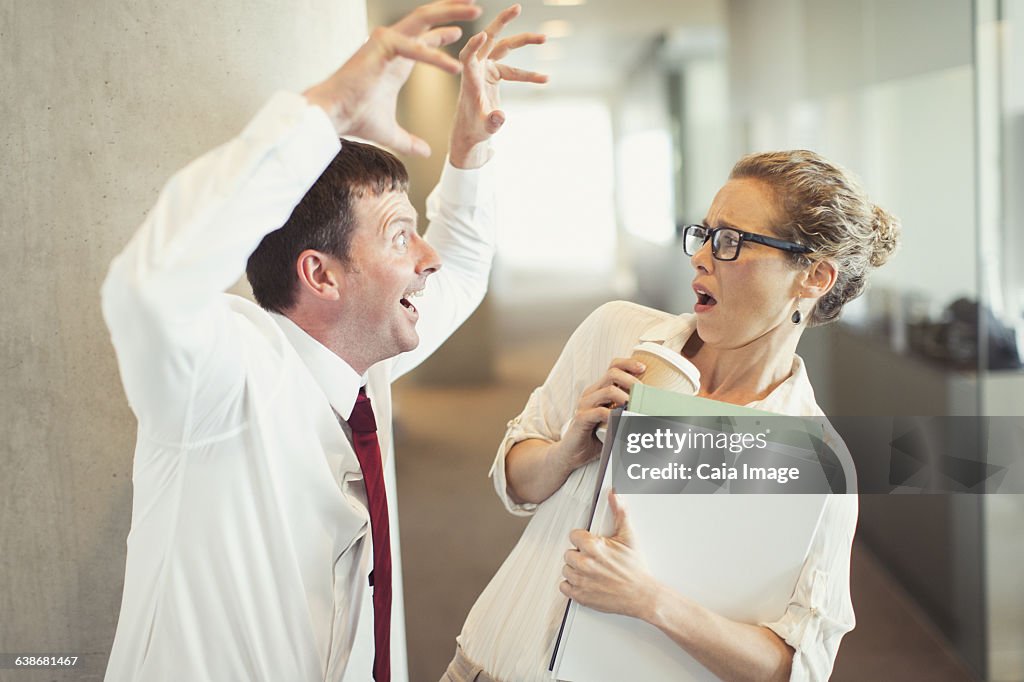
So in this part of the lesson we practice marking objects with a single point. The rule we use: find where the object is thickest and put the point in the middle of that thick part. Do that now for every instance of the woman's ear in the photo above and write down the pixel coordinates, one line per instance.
(319, 275)
(818, 279)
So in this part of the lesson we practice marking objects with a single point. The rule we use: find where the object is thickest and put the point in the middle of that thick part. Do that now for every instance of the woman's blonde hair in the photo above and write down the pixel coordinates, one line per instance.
(827, 211)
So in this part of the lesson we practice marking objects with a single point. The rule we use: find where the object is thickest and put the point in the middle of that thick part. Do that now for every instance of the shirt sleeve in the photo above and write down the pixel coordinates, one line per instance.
(461, 214)
(162, 299)
(610, 331)
(820, 611)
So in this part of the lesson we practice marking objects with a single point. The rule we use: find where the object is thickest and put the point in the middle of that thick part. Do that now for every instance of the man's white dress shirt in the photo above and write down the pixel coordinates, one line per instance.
(511, 629)
(249, 549)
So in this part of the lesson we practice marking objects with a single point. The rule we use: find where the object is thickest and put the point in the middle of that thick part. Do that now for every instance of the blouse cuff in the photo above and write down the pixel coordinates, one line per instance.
(806, 627)
(513, 435)
(798, 633)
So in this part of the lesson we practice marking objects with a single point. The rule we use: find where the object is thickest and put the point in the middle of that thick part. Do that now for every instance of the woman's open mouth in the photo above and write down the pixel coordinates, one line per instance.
(705, 301)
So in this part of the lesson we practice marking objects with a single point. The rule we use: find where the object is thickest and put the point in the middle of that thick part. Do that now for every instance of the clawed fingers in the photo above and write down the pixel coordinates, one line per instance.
(485, 45)
(439, 37)
(414, 49)
(495, 120)
(503, 19)
(405, 142)
(444, 12)
(506, 45)
(471, 50)
(511, 73)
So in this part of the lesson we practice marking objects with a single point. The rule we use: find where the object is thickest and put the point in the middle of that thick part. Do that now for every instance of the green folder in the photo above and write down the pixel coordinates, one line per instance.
(657, 402)
(800, 432)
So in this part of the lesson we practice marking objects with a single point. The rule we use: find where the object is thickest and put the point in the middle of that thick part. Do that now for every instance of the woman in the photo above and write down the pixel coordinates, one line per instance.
(786, 243)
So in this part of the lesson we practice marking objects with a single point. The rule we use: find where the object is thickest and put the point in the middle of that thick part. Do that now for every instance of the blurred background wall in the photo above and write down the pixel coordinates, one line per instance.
(921, 100)
(649, 105)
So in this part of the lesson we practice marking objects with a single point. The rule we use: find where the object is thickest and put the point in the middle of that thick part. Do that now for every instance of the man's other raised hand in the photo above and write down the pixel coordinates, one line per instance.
(478, 115)
(362, 95)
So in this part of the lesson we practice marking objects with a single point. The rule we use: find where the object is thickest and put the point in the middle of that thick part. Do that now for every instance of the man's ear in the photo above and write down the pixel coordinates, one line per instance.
(818, 279)
(319, 274)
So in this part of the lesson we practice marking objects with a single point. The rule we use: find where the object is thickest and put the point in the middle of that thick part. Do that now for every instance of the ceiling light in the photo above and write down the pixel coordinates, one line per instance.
(565, 3)
(556, 28)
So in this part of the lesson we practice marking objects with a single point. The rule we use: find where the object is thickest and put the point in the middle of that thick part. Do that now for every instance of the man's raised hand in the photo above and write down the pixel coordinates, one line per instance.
(362, 95)
(478, 115)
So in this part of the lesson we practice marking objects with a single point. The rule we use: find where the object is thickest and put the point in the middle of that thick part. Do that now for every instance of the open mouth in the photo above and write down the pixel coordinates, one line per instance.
(406, 303)
(704, 298)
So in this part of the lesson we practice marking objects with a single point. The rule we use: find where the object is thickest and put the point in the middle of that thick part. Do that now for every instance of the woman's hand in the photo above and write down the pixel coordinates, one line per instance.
(579, 445)
(609, 574)
(478, 115)
(535, 469)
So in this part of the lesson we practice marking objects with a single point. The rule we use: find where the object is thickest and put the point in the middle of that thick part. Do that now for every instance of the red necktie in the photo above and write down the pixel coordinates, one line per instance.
(364, 441)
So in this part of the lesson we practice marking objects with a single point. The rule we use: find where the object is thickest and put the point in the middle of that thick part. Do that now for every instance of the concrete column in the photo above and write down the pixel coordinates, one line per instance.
(102, 101)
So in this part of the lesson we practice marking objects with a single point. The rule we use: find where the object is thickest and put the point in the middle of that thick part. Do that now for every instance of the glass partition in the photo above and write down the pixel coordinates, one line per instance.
(999, 56)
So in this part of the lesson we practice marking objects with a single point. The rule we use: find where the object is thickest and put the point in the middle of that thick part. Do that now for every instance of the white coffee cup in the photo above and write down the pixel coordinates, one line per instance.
(666, 369)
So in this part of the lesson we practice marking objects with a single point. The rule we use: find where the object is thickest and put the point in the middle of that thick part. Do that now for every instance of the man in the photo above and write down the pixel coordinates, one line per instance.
(259, 521)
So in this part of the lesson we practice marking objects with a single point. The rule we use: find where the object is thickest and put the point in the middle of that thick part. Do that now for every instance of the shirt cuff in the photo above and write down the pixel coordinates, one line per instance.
(301, 134)
(466, 186)
(497, 472)
(808, 628)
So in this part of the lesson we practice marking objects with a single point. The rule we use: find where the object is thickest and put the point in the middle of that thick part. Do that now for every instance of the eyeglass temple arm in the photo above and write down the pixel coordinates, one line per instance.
(777, 243)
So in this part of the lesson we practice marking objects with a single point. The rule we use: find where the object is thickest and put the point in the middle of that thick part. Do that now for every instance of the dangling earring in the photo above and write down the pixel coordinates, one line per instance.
(796, 316)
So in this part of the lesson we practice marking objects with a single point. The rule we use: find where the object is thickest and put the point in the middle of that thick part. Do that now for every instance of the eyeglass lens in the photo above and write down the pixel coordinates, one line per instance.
(725, 243)
(694, 239)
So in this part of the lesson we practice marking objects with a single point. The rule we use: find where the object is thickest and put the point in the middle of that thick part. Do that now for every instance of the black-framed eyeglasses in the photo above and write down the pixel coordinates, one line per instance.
(726, 241)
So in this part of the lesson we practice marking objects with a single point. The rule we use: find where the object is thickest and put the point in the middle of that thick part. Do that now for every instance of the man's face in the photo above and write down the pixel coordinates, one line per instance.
(388, 264)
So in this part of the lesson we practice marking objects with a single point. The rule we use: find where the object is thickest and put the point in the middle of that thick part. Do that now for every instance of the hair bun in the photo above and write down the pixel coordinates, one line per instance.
(886, 228)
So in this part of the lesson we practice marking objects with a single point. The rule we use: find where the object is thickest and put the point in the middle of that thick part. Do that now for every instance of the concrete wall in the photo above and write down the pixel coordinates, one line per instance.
(102, 101)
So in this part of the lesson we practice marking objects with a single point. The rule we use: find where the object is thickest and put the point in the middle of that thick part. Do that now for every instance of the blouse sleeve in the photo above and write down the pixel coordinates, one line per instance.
(820, 611)
(529, 424)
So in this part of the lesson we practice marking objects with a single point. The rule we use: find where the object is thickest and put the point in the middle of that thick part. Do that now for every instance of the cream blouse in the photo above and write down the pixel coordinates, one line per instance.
(511, 629)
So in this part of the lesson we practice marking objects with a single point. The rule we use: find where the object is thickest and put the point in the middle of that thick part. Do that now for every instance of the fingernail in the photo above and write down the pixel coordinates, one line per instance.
(641, 367)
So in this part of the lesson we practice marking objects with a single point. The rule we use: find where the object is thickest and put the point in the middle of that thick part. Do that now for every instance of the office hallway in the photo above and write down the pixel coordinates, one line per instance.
(455, 533)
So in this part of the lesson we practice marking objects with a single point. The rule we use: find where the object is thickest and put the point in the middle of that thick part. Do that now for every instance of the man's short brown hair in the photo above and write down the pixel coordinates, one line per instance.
(322, 220)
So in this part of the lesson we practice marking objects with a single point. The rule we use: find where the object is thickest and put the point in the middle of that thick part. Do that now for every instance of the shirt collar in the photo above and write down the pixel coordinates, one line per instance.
(673, 332)
(339, 382)
(793, 396)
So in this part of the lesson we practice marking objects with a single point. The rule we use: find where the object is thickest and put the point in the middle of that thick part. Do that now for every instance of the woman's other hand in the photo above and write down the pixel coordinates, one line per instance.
(579, 445)
(608, 573)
